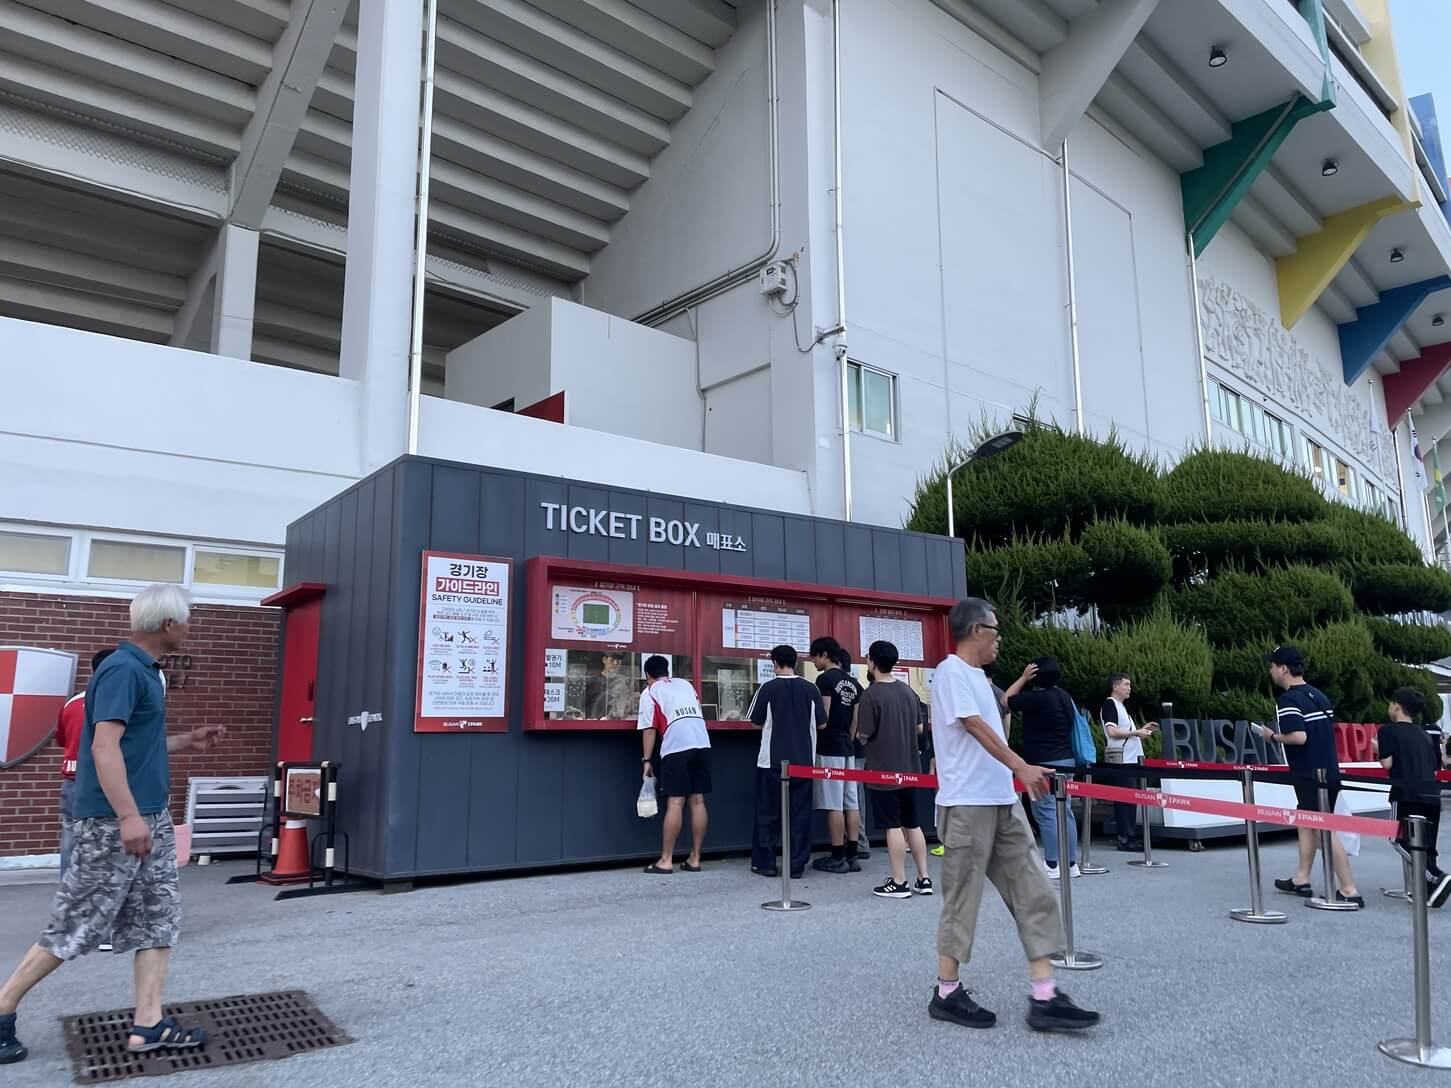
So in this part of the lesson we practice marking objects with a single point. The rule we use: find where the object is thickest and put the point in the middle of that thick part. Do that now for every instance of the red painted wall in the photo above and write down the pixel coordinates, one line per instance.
(231, 682)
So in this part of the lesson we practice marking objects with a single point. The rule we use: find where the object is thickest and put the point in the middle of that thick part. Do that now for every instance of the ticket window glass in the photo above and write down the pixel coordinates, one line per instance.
(728, 684)
(600, 685)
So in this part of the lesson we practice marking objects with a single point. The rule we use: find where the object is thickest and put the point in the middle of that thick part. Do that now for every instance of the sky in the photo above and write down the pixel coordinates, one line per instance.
(1423, 39)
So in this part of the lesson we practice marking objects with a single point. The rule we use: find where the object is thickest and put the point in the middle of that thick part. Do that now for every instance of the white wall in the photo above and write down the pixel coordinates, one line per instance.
(463, 432)
(103, 432)
(616, 376)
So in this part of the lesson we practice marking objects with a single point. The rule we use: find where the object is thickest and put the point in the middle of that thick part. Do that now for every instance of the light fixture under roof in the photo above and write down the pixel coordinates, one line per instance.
(1218, 58)
(1438, 320)
(1329, 168)
(1397, 255)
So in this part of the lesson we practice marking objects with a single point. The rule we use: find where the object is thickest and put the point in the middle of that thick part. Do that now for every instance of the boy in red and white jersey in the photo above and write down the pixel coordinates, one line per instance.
(676, 750)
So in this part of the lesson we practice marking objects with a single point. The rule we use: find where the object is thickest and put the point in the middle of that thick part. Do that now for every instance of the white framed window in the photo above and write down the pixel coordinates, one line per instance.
(226, 569)
(872, 400)
(1242, 415)
(144, 561)
(32, 554)
(1316, 459)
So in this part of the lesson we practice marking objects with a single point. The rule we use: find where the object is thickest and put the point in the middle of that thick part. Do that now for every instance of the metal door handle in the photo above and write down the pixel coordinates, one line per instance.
(301, 720)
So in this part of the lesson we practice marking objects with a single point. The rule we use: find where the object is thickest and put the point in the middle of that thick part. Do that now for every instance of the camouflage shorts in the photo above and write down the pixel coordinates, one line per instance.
(108, 895)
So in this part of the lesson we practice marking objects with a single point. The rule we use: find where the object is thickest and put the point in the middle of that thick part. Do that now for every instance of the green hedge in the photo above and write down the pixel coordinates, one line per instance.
(1130, 565)
(1367, 537)
(1253, 545)
(1236, 704)
(1042, 575)
(1339, 658)
(1409, 643)
(1278, 604)
(1242, 668)
(1222, 485)
(1387, 589)
(1048, 483)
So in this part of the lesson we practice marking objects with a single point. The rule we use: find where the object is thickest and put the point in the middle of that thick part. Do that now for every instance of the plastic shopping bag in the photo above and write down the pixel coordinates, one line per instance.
(1350, 840)
(646, 805)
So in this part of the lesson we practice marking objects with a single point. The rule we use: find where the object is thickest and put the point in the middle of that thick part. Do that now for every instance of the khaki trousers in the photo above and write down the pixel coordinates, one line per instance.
(993, 842)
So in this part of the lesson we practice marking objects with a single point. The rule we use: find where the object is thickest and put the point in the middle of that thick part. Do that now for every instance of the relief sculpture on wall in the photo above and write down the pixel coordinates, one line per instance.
(1241, 337)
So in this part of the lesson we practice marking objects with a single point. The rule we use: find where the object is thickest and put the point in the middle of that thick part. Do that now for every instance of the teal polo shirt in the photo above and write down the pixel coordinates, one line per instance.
(126, 688)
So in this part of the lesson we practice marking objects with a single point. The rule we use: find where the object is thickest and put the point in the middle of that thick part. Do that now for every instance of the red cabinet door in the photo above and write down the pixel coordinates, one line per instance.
(299, 682)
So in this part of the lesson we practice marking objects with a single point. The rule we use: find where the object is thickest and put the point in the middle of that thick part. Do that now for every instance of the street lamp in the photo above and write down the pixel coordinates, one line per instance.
(996, 444)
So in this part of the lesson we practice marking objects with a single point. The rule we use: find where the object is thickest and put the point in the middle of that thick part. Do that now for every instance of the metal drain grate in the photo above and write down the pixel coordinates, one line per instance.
(245, 1028)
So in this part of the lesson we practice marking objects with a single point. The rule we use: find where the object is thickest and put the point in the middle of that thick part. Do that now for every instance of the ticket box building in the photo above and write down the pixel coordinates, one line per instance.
(467, 643)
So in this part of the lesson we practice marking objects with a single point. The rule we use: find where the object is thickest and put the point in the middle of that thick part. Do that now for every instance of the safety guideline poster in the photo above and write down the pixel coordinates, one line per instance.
(463, 644)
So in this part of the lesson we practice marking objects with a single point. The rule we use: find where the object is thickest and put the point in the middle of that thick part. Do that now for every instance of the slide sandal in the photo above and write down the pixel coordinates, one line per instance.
(653, 868)
(689, 868)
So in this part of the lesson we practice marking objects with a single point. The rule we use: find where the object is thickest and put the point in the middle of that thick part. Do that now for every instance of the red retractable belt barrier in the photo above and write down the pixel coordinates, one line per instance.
(1279, 768)
(1265, 814)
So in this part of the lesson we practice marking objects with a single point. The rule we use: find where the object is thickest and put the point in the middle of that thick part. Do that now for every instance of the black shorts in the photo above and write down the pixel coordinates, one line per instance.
(1307, 796)
(682, 773)
(894, 808)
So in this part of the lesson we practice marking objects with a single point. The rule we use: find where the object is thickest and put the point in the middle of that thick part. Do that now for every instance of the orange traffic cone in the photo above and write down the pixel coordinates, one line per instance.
(293, 864)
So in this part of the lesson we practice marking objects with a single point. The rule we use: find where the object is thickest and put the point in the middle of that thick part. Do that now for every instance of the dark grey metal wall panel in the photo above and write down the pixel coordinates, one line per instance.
(957, 563)
(914, 564)
(860, 570)
(603, 767)
(455, 511)
(442, 791)
(886, 561)
(590, 546)
(629, 550)
(830, 553)
(539, 836)
(539, 537)
(701, 560)
(800, 544)
(737, 523)
(939, 568)
(502, 531)
(492, 804)
(768, 546)
(413, 515)
(662, 553)
(375, 567)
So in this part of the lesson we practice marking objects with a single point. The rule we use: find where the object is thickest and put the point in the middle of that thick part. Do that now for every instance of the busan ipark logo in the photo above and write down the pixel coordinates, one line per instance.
(34, 685)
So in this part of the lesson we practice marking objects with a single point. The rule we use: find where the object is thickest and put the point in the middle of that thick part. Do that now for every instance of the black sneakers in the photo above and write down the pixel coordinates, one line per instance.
(1289, 887)
(958, 1008)
(1058, 1013)
(1358, 900)
(890, 889)
(11, 1049)
(923, 886)
(770, 870)
(828, 864)
(1440, 890)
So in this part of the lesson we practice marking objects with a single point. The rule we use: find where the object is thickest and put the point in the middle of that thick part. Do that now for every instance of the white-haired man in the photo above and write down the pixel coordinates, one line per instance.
(121, 883)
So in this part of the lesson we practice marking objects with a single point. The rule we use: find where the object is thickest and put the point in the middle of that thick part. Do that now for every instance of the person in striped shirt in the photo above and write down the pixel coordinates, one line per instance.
(1305, 725)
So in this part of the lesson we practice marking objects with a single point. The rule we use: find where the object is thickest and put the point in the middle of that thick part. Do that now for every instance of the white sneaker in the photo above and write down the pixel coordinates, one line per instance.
(1052, 871)
(1073, 871)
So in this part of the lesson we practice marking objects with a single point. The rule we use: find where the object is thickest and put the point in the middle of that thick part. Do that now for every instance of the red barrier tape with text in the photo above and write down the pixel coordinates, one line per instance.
(1265, 814)
(1185, 765)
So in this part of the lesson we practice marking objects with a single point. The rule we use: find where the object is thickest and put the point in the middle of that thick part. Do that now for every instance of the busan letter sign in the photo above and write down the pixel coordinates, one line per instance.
(463, 644)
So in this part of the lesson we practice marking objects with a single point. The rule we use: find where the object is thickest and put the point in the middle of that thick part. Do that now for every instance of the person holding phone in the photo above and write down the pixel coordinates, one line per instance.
(1125, 745)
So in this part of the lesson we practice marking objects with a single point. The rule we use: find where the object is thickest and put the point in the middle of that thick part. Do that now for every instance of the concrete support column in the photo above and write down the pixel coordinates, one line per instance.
(236, 292)
(377, 297)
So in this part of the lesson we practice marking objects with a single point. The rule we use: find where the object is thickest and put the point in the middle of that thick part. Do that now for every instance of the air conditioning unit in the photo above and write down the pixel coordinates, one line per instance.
(774, 279)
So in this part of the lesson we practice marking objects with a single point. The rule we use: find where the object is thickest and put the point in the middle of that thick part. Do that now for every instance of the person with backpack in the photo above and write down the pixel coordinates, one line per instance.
(1048, 716)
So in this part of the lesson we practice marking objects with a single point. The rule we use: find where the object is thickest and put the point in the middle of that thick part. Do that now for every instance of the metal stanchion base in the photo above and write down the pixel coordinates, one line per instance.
(1264, 918)
(786, 904)
(1092, 870)
(1142, 864)
(1410, 1052)
(1319, 902)
(1076, 961)
(1396, 893)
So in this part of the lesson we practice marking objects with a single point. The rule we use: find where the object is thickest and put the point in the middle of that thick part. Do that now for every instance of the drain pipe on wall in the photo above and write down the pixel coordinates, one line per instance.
(1199, 339)
(839, 349)
(1072, 293)
(420, 241)
(673, 307)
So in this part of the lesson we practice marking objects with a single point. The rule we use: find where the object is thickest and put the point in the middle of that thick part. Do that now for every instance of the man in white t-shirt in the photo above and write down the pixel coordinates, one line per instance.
(985, 834)
(677, 754)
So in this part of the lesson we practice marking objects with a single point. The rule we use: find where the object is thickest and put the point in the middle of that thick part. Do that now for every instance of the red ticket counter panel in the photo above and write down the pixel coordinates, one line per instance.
(590, 627)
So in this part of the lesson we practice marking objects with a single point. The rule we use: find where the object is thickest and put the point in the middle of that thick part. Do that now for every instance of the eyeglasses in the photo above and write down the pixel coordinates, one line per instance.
(991, 627)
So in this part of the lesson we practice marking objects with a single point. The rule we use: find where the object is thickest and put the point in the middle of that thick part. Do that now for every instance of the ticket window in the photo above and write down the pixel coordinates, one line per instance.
(728, 684)
(600, 685)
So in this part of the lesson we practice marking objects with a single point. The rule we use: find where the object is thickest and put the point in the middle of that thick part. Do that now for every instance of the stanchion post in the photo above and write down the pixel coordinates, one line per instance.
(1085, 836)
(1328, 900)
(1147, 861)
(1255, 912)
(785, 902)
(1420, 1050)
(1403, 893)
(1069, 959)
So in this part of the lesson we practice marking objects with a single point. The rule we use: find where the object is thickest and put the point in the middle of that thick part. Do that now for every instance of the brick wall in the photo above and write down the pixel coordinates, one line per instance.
(230, 681)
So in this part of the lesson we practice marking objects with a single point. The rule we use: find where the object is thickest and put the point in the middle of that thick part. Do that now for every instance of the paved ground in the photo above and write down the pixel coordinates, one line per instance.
(615, 978)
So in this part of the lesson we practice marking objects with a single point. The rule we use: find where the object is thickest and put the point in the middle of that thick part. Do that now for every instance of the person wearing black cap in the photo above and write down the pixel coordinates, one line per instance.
(1305, 726)
(1413, 758)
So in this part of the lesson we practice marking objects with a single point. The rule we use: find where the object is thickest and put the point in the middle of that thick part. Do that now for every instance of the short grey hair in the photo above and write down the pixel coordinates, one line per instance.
(154, 605)
(967, 614)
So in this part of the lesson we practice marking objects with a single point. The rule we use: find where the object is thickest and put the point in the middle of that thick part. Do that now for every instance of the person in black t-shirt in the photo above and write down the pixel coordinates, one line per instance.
(1047, 712)
(835, 748)
(1413, 758)
(1305, 725)
(789, 710)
